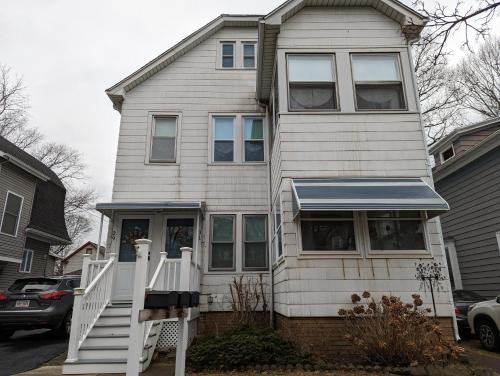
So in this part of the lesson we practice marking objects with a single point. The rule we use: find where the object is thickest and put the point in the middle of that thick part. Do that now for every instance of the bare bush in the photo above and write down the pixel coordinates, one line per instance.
(391, 332)
(248, 296)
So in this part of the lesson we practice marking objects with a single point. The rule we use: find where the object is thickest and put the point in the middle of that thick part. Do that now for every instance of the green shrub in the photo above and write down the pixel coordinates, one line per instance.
(243, 347)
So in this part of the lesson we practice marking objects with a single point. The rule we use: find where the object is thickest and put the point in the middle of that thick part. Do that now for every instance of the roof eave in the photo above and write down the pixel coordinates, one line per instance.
(17, 162)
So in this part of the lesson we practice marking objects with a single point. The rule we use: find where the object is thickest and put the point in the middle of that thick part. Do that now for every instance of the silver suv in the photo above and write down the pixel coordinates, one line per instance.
(484, 320)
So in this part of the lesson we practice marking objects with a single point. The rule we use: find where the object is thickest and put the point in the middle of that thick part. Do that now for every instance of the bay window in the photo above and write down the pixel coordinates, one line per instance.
(222, 242)
(328, 231)
(254, 242)
(396, 231)
(377, 82)
(311, 82)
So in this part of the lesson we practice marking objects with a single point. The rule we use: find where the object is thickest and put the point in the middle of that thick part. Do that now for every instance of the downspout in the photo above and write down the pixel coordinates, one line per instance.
(431, 181)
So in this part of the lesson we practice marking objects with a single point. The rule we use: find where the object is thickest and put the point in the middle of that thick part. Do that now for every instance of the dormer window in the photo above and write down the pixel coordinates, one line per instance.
(311, 82)
(228, 55)
(377, 82)
(447, 154)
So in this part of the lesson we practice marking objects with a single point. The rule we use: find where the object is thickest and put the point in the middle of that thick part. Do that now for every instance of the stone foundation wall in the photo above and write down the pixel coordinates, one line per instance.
(324, 336)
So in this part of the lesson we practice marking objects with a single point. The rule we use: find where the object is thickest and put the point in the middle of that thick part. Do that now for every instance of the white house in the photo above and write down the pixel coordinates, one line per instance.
(289, 145)
(73, 261)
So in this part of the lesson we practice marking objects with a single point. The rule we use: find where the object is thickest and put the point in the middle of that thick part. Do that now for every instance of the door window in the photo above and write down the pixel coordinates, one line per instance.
(179, 234)
(132, 229)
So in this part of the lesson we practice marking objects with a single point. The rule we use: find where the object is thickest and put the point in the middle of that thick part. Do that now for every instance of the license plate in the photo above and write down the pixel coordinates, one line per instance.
(22, 303)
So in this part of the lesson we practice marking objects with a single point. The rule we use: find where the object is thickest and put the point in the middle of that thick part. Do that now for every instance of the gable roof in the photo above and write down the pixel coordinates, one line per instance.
(410, 20)
(458, 132)
(116, 92)
(27, 162)
(81, 248)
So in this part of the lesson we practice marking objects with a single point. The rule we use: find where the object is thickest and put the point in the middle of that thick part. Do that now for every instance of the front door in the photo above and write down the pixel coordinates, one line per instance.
(179, 234)
(131, 229)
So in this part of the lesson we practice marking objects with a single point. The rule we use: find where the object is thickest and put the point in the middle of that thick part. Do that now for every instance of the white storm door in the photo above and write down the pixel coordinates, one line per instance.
(130, 230)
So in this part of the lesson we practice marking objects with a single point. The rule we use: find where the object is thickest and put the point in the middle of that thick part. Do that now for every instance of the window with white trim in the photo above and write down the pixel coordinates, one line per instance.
(447, 154)
(254, 242)
(222, 242)
(163, 139)
(312, 82)
(228, 56)
(396, 231)
(223, 138)
(253, 139)
(26, 262)
(248, 55)
(11, 214)
(328, 231)
(377, 81)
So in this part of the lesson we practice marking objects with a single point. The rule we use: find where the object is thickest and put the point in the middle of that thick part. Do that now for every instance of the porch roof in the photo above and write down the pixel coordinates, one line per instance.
(366, 194)
(108, 208)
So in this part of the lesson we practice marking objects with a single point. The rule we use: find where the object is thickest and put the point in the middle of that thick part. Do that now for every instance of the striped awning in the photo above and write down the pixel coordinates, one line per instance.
(364, 194)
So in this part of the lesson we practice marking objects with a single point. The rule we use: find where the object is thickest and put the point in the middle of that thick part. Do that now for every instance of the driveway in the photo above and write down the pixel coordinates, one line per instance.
(29, 349)
(481, 357)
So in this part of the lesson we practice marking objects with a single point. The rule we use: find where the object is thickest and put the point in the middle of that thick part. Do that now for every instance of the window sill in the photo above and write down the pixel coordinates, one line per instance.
(280, 260)
(9, 235)
(162, 163)
(235, 69)
(399, 254)
(328, 255)
(237, 163)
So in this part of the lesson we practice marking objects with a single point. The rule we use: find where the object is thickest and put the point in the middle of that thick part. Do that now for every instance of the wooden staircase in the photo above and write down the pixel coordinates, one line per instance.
(105, 348)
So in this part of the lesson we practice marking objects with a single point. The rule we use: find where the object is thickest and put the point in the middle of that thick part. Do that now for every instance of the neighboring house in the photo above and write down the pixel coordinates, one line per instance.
(32, 215)
(72, 262)
(289, 145)
(467, 175)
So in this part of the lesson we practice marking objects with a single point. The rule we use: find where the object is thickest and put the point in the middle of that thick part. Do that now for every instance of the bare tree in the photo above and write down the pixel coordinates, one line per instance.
(472, 18)
(439, 96)
(64, 161)
(478, 75)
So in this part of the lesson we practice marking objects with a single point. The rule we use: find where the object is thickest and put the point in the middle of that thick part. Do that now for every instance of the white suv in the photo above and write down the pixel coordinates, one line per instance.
(484, 320)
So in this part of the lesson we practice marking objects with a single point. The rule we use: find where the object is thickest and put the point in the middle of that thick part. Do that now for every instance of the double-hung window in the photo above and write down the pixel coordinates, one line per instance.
(227, 54)
(223, 135)
(377, 82)
(163, 139)
(255, 242)
(311, 82)
(222, 241)
(396, 231)
(254, 139)
(328, 231)
(26, 262)
(248, 55)
(11, 214)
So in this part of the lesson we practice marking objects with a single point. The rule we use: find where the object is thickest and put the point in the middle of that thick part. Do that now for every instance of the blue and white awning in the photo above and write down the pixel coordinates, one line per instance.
(364, 194)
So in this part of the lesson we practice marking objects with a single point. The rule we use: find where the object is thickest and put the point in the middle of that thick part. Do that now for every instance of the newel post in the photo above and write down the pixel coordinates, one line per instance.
(182, 331)
(136, 341)
(161, 282)
(74, 336)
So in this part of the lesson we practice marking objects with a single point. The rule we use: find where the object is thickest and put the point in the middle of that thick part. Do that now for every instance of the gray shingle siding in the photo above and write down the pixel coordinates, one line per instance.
(473, 193)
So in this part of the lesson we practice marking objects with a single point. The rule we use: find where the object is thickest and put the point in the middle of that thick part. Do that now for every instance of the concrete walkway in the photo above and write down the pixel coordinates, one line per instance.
(156, 369)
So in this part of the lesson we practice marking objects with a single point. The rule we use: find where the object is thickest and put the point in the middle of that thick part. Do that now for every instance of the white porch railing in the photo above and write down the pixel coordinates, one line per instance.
(170, 275)
(91, 299)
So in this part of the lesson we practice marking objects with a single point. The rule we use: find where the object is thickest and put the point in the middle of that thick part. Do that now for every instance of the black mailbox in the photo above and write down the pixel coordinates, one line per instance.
(161, 299)
(171, 299)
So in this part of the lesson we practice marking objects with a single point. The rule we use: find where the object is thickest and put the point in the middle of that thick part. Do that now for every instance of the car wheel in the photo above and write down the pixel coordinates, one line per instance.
(488, 335)
(6, 334)
(65, 327)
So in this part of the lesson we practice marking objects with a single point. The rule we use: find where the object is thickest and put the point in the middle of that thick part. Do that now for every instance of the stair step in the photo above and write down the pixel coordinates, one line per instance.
(104, 347)
(113, 320)
(110, 330)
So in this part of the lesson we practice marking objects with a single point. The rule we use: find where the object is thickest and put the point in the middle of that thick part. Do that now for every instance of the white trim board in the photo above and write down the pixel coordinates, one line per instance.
(11, 259)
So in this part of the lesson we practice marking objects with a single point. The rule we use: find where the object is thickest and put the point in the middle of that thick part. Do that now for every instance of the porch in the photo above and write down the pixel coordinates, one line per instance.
(151, 246)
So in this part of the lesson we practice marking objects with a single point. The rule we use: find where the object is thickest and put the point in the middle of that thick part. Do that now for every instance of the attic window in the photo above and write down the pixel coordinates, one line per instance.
(447, 154)
(228, 55)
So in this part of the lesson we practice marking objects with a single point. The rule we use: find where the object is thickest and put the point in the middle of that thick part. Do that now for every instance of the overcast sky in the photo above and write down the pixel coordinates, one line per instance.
(68, 52)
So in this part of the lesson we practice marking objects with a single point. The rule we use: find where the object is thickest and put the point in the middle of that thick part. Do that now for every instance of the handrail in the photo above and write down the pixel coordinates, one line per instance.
(90, 301)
